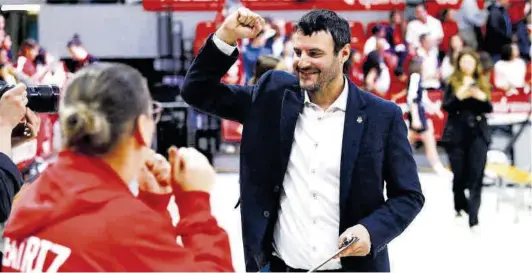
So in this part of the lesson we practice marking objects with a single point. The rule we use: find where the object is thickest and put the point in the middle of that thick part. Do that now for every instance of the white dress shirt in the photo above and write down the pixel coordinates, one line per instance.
(308, 225)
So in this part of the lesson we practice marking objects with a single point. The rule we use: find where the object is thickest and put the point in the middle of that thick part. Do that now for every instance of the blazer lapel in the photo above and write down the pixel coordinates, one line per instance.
(354, 125)
(291, 106)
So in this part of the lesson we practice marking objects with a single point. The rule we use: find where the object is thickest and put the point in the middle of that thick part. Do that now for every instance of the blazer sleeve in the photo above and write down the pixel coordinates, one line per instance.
(148, 241)
(405, 198)
(203, 89)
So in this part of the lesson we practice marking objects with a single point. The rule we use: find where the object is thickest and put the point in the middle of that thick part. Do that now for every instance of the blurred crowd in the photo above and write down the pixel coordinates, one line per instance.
(500, 32)
(33, 65)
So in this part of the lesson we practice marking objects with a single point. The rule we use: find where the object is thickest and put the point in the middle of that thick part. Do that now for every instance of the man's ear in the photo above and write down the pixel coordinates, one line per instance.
(144, 131)
(345, 53)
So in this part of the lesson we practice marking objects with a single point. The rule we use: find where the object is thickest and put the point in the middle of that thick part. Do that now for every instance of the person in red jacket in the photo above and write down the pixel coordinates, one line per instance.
(82, 213)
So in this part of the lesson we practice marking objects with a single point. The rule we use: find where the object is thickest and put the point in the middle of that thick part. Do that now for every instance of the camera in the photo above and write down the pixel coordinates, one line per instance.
(41, 98)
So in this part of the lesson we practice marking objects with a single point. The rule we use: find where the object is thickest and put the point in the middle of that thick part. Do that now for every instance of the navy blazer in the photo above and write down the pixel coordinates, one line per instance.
(374, 149)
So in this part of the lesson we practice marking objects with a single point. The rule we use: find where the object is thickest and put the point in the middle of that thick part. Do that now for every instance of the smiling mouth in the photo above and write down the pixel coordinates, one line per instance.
(308, 73)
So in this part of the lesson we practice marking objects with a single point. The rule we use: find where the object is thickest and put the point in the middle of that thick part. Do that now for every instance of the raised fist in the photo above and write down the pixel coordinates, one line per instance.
(243, 23)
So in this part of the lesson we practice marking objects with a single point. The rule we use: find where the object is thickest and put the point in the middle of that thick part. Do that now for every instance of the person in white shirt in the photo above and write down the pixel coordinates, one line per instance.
(377, 32)
(510, 71)
(424, 23)
(431, 71)
(315, 151)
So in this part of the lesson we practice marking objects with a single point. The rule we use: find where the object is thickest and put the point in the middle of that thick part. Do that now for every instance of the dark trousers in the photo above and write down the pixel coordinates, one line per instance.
(468, 161)
(278, 265)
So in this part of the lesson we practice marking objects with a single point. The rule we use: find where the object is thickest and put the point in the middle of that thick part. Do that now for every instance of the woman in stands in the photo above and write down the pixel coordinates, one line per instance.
(419, 124)
(466, 134)
(82, 215)
(25, 63)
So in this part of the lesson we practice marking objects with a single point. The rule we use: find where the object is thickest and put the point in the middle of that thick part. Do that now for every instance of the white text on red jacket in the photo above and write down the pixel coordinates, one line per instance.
(30, 255)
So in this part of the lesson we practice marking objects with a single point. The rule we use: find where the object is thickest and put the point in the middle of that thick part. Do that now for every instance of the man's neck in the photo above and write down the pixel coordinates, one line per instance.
(325, 97)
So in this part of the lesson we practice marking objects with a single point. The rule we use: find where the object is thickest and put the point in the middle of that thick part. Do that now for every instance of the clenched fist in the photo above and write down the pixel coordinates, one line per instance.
(191, 170)
(243, 23)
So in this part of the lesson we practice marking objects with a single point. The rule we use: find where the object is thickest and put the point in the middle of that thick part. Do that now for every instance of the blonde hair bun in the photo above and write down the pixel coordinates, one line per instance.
(83, 126)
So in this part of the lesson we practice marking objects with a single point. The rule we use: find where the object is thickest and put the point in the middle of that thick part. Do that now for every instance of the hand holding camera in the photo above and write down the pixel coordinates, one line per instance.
(13, 107)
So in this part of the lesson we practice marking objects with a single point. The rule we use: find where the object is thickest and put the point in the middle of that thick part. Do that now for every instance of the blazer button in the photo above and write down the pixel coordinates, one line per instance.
(276, 188)
(479, 118)
(266, 214)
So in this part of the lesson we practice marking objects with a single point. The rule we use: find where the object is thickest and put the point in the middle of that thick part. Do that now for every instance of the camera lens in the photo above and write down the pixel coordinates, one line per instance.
(43, 98)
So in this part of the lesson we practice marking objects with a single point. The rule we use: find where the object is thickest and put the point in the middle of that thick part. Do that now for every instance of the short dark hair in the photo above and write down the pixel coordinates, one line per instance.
(326, 20)
(100, 105)
(506, 52)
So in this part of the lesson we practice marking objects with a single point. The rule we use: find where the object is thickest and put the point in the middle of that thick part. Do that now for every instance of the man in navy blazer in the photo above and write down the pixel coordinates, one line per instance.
(315, 151)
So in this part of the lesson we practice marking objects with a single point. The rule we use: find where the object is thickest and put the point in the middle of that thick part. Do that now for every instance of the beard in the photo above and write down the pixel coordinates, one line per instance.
(322, 77)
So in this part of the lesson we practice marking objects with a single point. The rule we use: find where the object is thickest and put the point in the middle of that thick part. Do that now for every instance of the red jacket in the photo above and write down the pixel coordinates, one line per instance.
(80, 216)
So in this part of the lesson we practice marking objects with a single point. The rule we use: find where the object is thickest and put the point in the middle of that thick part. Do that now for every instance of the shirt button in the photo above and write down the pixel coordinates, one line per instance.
(313, 171)
(316, 144)
(479, 118)
(266, 214)
(315, 196)
(314, 222)
(320, 118)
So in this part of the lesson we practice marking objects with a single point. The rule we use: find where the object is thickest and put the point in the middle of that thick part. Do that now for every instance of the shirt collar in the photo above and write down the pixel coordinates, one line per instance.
(340, 103)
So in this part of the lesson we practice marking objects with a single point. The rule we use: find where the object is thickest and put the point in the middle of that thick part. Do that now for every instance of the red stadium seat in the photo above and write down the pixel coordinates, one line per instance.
(289, 27)
(357, 35)
(203, 30)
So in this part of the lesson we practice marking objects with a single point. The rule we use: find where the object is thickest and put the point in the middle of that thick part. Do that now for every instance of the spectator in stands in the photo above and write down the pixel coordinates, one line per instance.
(376, 73)
(265, 64)
(29, 49)
(466, 134)
(6, 44)
(498, 29)
(277, 41)
(522, 37)
(419, 124)
(450, 29)
(89, 188)
(79, 53)
(470, 19)
(288, 54)
(8, 73)
(356, 73)
(395, 31)
(431, 72)
(253, 50)
(510, 70)
(456, 44)
(377, 32)
(395, 36)
(424, 23)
